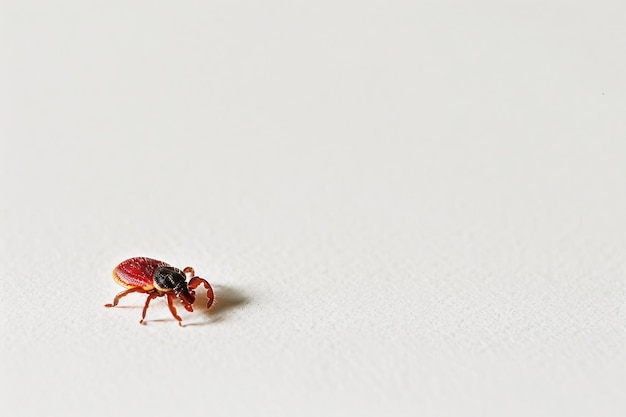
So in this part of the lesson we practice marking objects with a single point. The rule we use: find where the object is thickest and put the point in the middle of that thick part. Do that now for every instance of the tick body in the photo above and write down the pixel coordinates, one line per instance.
(159, 279)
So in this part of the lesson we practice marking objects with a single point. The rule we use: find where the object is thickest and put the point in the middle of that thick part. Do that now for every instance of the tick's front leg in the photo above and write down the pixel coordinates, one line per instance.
(189, 271)
(170, 302)
(193, 284)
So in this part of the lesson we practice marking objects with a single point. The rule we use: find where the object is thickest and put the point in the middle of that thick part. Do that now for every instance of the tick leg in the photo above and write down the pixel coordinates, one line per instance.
(189, 271)
(124, 294)
(170, 302)
(145, 307)
(193, 284)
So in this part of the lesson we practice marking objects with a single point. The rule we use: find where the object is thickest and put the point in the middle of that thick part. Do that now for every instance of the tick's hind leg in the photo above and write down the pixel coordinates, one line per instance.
(170, 303)
(124, 294)
(193, 284)
(145, 307)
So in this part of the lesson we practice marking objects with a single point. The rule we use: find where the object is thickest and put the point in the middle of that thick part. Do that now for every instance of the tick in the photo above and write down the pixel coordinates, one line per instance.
(158, 279)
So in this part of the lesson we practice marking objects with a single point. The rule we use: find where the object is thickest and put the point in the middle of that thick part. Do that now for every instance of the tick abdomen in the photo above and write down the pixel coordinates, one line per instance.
(137, 272)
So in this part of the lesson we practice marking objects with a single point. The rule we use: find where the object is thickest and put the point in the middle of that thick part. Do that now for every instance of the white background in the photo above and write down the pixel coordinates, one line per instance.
(406, 208)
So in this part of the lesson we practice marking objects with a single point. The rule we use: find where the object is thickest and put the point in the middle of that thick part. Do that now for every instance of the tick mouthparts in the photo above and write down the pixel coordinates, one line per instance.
(187, 297)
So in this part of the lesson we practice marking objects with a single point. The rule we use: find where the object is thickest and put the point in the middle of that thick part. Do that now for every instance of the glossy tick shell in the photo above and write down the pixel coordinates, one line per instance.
(137, 272)
(157, 279)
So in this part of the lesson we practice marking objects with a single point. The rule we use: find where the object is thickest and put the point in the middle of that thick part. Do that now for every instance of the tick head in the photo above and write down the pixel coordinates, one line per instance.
(168, 278)
(185, 296)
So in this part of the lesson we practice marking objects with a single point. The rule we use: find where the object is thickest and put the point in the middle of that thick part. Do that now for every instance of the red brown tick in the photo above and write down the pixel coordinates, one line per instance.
(158, 279)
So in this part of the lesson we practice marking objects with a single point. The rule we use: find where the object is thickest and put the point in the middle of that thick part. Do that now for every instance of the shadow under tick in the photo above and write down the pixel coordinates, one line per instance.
(226, 299)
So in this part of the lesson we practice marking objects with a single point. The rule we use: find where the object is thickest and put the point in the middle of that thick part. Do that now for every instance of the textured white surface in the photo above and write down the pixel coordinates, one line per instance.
(404, 208)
